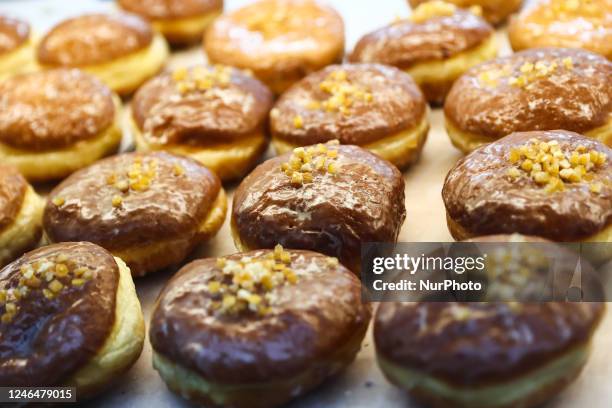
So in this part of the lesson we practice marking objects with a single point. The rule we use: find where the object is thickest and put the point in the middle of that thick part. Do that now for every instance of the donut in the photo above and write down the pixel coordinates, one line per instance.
(436, 45)
(16, 51)
(182, 22)
(216, 115)
(552, 184)
(69, 316)
(256, 329)
(149, 209)
(57, 121)
(20, 215)
(484, 354)
(537, 89)
(494, 11)
(326, 198)
(561, 23)
(280, 41)
(377, 107)
(120, 49)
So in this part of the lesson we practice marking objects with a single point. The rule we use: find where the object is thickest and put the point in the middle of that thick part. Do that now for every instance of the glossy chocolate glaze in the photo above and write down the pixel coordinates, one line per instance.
(577, 99)
(481, 197)
(363, 202)
(286, 37)
(494, 11)
(497, 342)
(308, 321)
(13, 188)
(397, 105)
(53, 109)
(49, 340)
(173, 206)
(555, 23)
(94, 39)
(13, 33)
(220, 114)
(170, 9)
(405, 43)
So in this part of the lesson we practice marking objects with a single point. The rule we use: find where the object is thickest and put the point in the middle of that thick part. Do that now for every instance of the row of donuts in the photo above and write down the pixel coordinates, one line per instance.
(54, 122)
(258, 329)
(325, 197)
(437, 43)
(261, 328)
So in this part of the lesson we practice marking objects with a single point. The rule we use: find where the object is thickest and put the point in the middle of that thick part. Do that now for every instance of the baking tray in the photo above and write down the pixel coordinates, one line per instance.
(362, 384)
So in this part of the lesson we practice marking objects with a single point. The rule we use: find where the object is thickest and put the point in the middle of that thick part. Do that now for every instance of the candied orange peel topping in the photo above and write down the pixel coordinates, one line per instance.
(201, 78)
(248, 283)
(49, 276)
(343, 94)
(550, 166)
(305, 162)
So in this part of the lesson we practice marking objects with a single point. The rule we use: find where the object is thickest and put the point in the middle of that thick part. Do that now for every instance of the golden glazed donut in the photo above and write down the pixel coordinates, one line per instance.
(326, 198)
(553, 184)
(538, 89)
(69, 317)
(564, 23)
(216, 115)
(256, 329)
(20, 215)
(484, 354)
(280, 41)
(494, 11)
(182, 22)
(55, 122)
(150, 209)
(16, 51)
(374, 106)
(437, 44)
(120, 49)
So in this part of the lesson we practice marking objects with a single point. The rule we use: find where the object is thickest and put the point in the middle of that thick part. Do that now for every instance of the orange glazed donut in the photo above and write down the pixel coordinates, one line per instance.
(281, 41)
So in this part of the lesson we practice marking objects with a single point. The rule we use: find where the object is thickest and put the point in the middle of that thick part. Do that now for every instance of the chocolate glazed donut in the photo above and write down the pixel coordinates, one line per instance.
(121, 49)
(69, 317)
(328, 198)
(113, 203)
(435, 45)
(537, 89)
(256, 329)
(484, 354)
(497, 189)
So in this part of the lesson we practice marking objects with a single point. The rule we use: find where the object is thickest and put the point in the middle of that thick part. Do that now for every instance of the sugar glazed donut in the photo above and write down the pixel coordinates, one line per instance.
(182, 22)
(20, 215)
(494, 11)
(120, 49)
(553, 184)
(377, 107)
(561, 23)
(256, 329)
(69, 316)
(280, 41)
(326, 198)
(16, 52)
(113, 203)
(435, 45)
(484, 354)
(538, 89)
(55, 122)
(216, 115)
